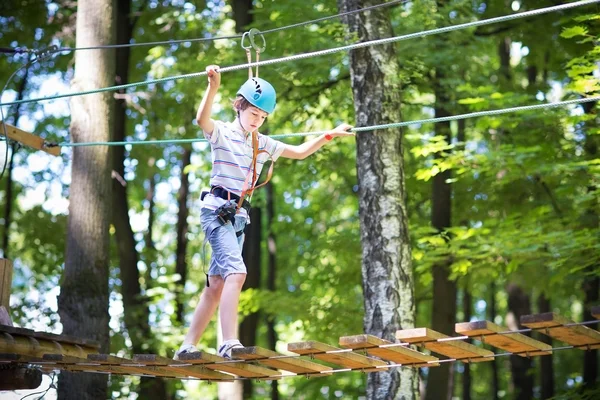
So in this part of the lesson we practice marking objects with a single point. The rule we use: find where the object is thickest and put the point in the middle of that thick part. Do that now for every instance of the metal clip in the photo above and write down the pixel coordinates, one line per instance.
(251, 34)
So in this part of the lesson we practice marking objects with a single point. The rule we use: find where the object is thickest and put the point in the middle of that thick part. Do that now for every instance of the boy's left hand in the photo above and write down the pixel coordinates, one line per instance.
(341, 130)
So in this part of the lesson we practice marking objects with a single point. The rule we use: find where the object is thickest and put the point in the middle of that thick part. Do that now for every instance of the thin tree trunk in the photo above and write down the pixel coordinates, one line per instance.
(440, 380)
(387, 277)
(242, 15)
(83, 299)
(546, 370)
(9, 182)
(271, 277)
(252, 258)
(134, 304)
(150, 199)
(467, 306)
(522, 378)
(182, 230)
(494, 363)
(591, 285)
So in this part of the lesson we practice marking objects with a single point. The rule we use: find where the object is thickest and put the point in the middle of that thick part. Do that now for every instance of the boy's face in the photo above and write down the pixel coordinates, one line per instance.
(252, 118)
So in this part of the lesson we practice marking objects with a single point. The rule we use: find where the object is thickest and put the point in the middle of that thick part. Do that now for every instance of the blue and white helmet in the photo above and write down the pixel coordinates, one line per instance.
(259, 93)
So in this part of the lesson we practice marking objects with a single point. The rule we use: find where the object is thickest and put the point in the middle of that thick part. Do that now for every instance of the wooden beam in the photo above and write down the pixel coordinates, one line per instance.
(396, 354)
(487, 332)
(32, 347)
(49, 336)
(217, 363)
(13, 377)
(293, 364)
(596, 312)
(28, 139)
(457, 349)
(553, 325)
(334, 355)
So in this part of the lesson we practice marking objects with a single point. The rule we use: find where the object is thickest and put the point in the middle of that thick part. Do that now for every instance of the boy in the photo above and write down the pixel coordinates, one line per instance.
(222, 217)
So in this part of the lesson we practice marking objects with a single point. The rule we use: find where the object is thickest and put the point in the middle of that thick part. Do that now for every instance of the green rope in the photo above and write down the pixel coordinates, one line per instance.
(319, 53)
(361, 129)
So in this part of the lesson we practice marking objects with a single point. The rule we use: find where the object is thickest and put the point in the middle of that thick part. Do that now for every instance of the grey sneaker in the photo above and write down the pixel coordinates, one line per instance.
(185, 349)
(227, 346)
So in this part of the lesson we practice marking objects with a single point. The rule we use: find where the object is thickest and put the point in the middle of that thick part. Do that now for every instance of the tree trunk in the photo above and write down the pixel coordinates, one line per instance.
(252, 258)
(494, 363)
(9, 182)
(182, 230)
(522, 378)
(591, 286)
(440, 380)
(547, 370)
(387, 277)
(271, 277)
(242, 14)
(466, 381)
(83, 299)
(135, 307)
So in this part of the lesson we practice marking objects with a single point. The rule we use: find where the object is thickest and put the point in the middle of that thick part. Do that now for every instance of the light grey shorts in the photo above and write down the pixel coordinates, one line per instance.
(226, 256)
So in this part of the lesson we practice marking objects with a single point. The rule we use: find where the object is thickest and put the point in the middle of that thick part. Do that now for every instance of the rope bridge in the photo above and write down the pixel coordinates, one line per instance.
(366, 353)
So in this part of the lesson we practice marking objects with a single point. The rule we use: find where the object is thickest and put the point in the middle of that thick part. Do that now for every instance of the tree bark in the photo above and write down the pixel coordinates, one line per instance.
(13, 377)
(134, 304)
(546, 370)
(83, 299)
(522, 378)
(271, 275)
(387, 278)
(182, 230)
(492, 312)
(466, 381)
(252, 258)
(440, 381)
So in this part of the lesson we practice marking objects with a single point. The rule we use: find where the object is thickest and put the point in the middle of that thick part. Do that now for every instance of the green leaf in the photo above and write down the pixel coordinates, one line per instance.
(573, 31)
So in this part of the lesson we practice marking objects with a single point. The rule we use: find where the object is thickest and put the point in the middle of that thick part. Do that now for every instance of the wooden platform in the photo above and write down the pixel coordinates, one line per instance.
(488, 332)
(553, 325)
(440, 343)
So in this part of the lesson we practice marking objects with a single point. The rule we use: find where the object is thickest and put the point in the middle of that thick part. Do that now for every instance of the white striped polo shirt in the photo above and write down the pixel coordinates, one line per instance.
(231, 152)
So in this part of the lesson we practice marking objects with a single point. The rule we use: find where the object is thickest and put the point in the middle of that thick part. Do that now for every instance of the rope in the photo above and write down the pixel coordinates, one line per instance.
(321, 52)
(361, 129)
(207, 39)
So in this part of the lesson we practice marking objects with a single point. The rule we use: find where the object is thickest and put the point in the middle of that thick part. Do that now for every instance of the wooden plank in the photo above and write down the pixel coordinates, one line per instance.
(396, 354)
(339, 357)
(552, 324)
(295, 364)
(129, 366)
(6, 273)
(517, 343)
(168, 364)
(216, 363)
(596, 312)
(457, 349)
(28, 139)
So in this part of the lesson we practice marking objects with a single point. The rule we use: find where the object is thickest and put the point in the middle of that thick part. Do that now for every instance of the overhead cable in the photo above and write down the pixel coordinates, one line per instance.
(321, 52)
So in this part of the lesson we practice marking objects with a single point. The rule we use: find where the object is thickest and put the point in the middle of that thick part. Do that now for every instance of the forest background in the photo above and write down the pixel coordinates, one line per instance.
(519, 234)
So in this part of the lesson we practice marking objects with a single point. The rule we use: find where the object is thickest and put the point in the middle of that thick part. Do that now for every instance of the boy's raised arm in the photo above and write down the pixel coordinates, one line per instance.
(205, 109)
(304, 150)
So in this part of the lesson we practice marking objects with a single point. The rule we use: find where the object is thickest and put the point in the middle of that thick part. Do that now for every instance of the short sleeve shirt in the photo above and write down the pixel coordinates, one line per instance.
(231, 150)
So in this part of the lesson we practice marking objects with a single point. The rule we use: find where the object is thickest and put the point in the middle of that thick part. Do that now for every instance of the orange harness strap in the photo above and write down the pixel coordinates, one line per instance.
(249, 184)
